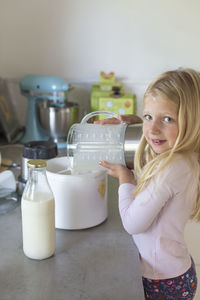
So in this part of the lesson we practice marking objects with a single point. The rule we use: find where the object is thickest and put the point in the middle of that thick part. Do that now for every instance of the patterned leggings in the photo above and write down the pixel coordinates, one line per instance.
(181, 287)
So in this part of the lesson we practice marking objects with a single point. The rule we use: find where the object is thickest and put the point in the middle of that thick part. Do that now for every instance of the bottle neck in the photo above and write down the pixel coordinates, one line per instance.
(34, 174)
(37, 187)
(37, 170)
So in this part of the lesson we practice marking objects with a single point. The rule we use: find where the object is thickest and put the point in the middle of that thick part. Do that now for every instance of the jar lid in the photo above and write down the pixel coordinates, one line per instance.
(36, 163)
(40, 150)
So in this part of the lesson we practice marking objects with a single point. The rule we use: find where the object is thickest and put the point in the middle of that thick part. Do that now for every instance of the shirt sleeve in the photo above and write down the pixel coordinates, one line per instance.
(139, 213)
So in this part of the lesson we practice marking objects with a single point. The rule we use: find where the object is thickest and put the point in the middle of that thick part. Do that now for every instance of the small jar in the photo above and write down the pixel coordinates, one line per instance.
(34, 150)
(38, 213)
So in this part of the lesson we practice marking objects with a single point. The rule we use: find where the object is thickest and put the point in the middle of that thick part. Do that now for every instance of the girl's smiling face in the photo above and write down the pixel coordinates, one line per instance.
(160, 123)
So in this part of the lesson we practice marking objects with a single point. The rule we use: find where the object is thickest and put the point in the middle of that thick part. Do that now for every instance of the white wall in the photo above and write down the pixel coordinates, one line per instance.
(76, 39)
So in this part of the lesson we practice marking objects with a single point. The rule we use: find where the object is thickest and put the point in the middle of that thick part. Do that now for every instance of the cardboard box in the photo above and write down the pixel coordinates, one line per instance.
(124, 104)
(108, 94)
(103, 88)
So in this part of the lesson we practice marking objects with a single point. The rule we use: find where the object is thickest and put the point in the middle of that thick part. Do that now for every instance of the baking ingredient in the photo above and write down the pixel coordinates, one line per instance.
(38, 226)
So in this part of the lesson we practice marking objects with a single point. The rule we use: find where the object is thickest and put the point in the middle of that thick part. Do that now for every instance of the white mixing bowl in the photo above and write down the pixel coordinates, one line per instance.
(80, 199)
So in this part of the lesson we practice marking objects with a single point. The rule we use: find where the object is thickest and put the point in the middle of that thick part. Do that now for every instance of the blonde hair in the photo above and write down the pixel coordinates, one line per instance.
(182, 87)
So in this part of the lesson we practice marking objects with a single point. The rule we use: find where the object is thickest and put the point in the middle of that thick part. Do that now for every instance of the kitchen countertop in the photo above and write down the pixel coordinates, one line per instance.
(100, 263)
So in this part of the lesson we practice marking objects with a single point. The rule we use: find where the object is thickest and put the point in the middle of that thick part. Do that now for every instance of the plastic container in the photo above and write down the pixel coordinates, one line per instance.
(34, 150)
(80, 197)
(7, 183)
(89, 143)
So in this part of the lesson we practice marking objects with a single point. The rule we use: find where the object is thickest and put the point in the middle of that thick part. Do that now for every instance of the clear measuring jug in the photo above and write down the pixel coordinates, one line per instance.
(89, 143)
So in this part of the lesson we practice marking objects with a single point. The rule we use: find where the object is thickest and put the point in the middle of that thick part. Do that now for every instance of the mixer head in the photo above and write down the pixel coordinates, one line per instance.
(39, 88)
(48, 87)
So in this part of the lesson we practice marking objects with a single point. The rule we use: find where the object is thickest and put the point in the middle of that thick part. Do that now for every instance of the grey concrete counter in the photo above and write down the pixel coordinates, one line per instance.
(99, 263)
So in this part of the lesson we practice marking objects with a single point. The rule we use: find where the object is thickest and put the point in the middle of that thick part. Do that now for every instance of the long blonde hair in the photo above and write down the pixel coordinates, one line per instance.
(182, 87)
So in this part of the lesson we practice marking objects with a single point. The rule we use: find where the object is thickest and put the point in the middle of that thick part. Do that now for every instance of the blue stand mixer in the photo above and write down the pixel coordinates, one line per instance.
(40, 88)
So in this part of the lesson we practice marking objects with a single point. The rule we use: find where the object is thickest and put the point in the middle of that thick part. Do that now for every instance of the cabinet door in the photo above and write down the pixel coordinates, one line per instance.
(192, 238)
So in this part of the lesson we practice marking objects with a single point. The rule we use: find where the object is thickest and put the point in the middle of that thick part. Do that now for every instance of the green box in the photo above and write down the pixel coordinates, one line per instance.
(103, 88)
(121, 105)
(108, 94)
(96, 93)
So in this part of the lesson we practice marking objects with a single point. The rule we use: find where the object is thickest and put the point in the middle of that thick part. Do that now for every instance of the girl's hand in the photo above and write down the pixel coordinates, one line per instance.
(128, 119)
(119, 171)
(107, 121)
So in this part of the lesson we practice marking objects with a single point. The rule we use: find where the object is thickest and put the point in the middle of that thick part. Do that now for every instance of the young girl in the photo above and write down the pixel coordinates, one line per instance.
(163, 192)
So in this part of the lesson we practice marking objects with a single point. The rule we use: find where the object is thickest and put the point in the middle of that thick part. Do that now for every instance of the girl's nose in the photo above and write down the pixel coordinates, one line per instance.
(155, 128)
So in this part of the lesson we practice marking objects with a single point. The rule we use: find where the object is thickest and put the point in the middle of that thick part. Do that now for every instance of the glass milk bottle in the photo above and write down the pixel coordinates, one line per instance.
(38, 213)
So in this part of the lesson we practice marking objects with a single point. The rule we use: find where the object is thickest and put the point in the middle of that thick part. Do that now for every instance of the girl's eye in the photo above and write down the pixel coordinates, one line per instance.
(167, 119)
(147, 117)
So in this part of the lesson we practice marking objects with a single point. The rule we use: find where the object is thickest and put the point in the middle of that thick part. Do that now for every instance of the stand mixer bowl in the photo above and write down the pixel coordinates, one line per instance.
(57, 119)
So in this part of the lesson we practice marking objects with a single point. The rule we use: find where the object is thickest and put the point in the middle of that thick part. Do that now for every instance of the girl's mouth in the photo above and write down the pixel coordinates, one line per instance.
(157, 142)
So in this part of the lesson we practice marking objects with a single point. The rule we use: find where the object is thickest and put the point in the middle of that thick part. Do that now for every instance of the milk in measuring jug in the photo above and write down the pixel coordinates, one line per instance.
(90, 143)
(38, 227)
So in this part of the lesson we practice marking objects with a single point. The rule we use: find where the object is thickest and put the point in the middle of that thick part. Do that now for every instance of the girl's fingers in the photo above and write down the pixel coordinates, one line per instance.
(130, 119)
(105, 164)
(107, 121)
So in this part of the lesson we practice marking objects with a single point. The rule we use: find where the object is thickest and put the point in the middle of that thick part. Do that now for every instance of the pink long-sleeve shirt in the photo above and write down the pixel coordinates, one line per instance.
(157, 216)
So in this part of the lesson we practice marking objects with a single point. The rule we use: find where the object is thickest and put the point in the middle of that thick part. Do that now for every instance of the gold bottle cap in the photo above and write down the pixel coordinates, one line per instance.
(36, 163)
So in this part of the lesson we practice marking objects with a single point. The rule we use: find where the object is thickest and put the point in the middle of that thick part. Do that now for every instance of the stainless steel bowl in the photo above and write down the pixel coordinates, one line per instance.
(57, 120)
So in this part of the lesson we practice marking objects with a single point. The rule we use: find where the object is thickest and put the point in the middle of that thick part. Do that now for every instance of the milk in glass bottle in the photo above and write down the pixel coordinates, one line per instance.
(38, 213)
